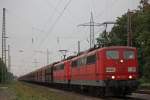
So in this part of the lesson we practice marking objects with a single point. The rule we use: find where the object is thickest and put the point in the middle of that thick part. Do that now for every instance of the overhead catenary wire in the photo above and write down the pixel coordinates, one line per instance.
(104, 10)
(55, 10)
(24, 20)
(52, 29)
(53, 13)
(57, 19)
(52, 26)
(58, 12)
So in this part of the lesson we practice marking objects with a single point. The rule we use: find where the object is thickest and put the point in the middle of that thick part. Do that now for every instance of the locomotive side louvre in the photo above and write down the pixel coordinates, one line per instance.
(36, 76)
(61, 72)
(47, 75)
(43, 75)
(85, 69)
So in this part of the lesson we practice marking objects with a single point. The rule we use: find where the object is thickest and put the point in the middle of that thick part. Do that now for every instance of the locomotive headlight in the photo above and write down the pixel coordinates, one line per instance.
(130, 77)
(131, 69)
(113, 77)
(110, 69)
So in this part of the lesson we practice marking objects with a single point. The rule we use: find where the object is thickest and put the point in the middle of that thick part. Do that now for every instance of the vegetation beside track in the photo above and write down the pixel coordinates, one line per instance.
(145, 86)
(5, 76)
(26, 91)
(140, 36)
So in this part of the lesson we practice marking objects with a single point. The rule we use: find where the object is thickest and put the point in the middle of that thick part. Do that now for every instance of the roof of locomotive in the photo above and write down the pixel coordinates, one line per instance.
(89, 51)
(94, 50)
(118, 47)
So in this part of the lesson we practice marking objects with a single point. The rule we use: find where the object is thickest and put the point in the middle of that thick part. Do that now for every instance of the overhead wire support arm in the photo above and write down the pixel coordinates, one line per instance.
(87, 24)
(63, 52)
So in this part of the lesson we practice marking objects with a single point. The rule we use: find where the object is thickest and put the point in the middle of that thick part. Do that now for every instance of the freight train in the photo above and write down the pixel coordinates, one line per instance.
(105, 71)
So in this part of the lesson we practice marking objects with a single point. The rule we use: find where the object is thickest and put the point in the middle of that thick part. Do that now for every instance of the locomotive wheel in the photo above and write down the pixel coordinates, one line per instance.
(120, 92)
(102, 92)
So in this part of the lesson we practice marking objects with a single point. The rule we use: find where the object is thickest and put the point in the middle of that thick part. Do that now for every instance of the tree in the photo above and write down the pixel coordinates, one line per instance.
(2, 69)
(140, 32)
(4, 75)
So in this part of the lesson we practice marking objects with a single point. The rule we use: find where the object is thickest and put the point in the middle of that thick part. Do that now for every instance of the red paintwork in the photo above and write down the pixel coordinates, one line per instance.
(85, 72)
(67, 70)
(63, 74)
(89, 72)
(97, 71)
(121, 68)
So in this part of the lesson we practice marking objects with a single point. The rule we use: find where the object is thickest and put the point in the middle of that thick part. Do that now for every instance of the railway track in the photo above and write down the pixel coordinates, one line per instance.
(138, 95)
(143, 91)
(83, 96)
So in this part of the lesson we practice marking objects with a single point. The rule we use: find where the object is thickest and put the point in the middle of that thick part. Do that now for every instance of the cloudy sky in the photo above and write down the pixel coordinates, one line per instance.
(33, 26)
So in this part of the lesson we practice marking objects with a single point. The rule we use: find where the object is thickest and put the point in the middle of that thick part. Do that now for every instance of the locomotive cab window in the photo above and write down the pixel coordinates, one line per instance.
(48, 70)
(129, 54)
(54, 68)
(59, 67)
(81, 61)
(91, 59)
(112, 54)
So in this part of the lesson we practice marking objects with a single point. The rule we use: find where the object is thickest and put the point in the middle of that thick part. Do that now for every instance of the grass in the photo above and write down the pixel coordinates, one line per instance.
(26, 91)
(144, 84)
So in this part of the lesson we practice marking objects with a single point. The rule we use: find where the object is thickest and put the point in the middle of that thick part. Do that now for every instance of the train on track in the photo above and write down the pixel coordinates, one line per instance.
(105, 71)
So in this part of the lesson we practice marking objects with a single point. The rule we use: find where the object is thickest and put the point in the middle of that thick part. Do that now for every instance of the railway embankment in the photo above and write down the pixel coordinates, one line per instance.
(144, 88)
(26, 91)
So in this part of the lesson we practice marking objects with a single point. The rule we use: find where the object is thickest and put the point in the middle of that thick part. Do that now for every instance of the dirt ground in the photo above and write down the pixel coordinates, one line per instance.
(6, 94)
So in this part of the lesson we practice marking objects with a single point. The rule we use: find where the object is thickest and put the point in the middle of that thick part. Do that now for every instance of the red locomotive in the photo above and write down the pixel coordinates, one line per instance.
(108, 70)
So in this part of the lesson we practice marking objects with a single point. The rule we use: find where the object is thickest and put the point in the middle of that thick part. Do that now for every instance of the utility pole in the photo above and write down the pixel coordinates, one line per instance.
(78, 47)
(9, 59)
(4, 36)
(129, 29)
(92, 39)
(91, 24)
(4, 45)
(48, 56)
(35, 62)
(9, 62)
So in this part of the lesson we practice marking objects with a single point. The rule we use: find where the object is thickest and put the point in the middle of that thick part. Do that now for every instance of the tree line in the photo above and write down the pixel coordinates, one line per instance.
(5, 76)
(140, 20)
